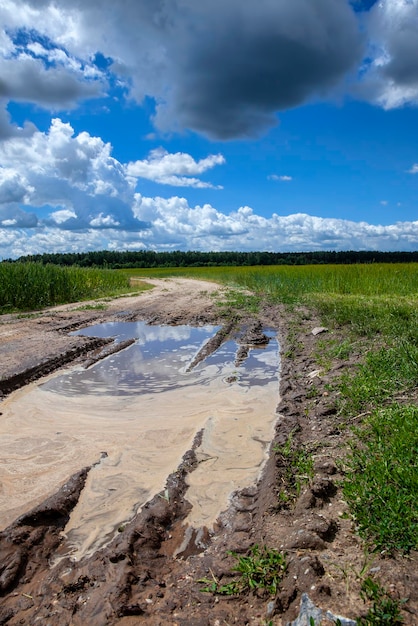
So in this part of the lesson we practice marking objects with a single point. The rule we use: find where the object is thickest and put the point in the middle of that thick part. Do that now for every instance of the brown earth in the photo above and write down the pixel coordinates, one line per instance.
(136, 579)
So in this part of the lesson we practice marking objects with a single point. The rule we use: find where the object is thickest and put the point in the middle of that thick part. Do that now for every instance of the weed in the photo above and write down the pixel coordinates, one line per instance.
(385, 371)
(263, 569)
(327, 350)
(298, 469)
(27, 316)
(385, 611)
(236, 299)
(313, 392)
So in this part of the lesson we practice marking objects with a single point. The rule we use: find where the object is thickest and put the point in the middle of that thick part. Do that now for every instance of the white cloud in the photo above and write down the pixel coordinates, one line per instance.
(104, 221)
(414, 169)
(76, 176)
(390, 75)
(173, 224)
(283, 178)
(62, 215)
(176, 169)
(76, 173)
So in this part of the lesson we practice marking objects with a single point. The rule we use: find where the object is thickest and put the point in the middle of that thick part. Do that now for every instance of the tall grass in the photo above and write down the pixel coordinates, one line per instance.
(290, 284)
(26, 286)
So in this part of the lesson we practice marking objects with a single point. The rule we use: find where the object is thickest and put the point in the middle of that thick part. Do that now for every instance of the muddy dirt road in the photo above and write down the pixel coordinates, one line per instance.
(149, 573)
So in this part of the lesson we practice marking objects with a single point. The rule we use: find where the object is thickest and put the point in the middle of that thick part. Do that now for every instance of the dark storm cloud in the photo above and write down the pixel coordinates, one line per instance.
(237, 64)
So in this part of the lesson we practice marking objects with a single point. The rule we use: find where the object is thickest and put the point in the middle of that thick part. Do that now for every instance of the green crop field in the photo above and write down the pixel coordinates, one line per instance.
(29, 286)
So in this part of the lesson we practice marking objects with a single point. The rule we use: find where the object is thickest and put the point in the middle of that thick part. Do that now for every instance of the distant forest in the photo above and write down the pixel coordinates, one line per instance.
(177, 258)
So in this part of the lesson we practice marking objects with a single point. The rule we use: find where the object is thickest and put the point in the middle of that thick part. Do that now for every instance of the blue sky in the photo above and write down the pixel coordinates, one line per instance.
(221, 125)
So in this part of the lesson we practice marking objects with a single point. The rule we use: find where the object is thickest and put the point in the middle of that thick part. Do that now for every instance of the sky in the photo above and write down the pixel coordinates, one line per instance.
(208, 125)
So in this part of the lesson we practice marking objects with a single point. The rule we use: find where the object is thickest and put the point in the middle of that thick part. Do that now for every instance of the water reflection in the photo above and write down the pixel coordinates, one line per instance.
(156, 362)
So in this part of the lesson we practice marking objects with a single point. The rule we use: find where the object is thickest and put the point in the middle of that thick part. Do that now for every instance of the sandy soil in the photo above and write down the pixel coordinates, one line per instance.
(150, 573)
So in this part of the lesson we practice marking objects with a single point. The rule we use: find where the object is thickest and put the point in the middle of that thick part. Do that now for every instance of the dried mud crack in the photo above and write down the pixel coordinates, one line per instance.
(149, 573)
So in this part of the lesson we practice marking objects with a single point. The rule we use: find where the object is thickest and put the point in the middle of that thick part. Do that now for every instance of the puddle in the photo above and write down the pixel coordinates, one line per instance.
(134, 415)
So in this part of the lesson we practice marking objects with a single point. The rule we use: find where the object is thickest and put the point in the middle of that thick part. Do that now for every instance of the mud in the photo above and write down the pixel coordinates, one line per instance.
(149, 573)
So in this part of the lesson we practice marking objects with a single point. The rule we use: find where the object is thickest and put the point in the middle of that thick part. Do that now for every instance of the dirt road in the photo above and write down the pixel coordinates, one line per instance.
(149, 574)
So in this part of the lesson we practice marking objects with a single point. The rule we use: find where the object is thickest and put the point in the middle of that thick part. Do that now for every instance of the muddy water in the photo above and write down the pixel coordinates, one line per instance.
(133, 416)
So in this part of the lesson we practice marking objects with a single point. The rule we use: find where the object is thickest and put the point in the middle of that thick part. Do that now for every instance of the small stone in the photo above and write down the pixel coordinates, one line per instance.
(308, 612)
(318, 330)
(271, 608)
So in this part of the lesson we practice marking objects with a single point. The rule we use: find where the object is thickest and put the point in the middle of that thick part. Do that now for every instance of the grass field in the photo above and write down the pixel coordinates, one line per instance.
(29, 286)
(376, 306)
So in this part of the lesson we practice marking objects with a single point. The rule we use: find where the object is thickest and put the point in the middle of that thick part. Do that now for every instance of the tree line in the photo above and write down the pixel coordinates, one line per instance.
(189, 258)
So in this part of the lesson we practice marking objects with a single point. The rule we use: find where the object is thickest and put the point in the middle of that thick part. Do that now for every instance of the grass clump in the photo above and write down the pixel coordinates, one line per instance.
(385, 611)
(297, 470)
(237, 302)
(262, 569)
(381, 482)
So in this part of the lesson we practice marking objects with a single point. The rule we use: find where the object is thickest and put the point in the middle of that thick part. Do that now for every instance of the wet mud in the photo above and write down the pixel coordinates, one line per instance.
(149, 572)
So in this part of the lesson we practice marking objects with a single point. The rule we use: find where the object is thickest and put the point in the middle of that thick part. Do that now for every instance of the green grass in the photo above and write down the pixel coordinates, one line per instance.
(262, 569)
(386, 373)
(381, 485)
(30, 286)
(296, 464)
(384, 611)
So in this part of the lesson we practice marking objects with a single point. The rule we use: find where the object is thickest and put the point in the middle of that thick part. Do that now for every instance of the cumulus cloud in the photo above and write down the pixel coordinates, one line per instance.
(391, 74)
(174, 169)
(221, 68)
(42, 73)
(414, 169)
(77, 175)
(62, 215)
(173, 224)
(13, 216)
(74, 173)
(8, 129)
